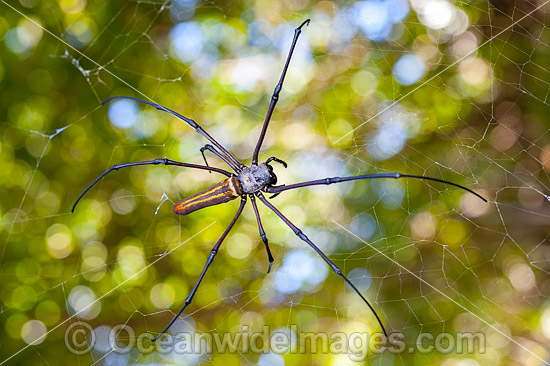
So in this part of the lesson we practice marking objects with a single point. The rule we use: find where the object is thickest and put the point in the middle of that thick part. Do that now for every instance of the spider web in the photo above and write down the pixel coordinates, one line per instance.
(429, 257)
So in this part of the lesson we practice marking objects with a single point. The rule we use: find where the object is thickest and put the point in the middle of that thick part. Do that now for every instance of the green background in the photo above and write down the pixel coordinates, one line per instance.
(440, 260)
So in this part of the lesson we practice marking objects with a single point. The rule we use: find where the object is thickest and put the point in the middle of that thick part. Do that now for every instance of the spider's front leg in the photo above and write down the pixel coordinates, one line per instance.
(189, 121)
(262, 232)
(275, 96)
(213, 150)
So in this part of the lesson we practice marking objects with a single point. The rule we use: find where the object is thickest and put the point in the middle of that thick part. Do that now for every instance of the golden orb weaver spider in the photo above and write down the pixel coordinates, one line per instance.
(251, 182)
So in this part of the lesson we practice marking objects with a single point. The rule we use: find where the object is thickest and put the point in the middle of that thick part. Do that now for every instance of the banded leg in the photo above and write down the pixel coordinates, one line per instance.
(262, 232)
(163, 161)
(275, 96)
(279, 189)
(213, 253)
(333, 266)
(189, 121)
(213, 150)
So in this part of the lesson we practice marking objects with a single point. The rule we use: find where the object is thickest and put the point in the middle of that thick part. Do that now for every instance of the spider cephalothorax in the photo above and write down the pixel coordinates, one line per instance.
(256, 177)
(250, 182)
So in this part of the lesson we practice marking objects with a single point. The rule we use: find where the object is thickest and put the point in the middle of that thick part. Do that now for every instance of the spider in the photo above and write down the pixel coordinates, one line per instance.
(250, 182)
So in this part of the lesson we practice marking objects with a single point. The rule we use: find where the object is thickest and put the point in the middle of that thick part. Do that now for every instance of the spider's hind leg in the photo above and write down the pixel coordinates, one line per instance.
(163, 161)
(331, 264)
(262, 232)
(213, 253)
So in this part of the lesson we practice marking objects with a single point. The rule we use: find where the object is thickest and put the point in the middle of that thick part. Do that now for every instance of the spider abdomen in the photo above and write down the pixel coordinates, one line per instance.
(222, 192)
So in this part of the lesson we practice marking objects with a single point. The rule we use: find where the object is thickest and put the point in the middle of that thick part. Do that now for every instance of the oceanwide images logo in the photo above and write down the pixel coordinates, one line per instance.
(81, 338)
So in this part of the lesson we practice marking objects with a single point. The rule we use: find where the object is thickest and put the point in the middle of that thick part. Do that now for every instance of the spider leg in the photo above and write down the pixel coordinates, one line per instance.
(213, 253)
(163, 161)
(279, 189)
(275, 96)
(189, 121)
(213, 150)
(333, 266)
(262, 232)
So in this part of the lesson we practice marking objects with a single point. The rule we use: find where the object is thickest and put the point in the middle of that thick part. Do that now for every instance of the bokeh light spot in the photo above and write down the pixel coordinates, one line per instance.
(453, 232)
(33, 332)
(522, 277)
(436, 14)
(239, 246)
(187, 41)
(341, 131)
(373, 18)
(24, 37)
(83, 301)
(361, 278)
(473, 206)
(123, 113)
(389, 140)
(79, 33)
(123, 202)
(299, 268)
(130, 260)
(271, 359)
(423, 226)
(545, 322)
(182, 9)
(408, 69)
(59, 241)
(475, 71)
(363, 225)
(377, 17)
(162, 295)
(72, 6)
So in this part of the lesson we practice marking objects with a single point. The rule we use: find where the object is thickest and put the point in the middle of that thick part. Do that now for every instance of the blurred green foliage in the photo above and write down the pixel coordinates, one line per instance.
(435, 255)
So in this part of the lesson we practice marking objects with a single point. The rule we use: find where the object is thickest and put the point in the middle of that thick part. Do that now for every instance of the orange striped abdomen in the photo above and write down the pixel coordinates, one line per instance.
(222, 192)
